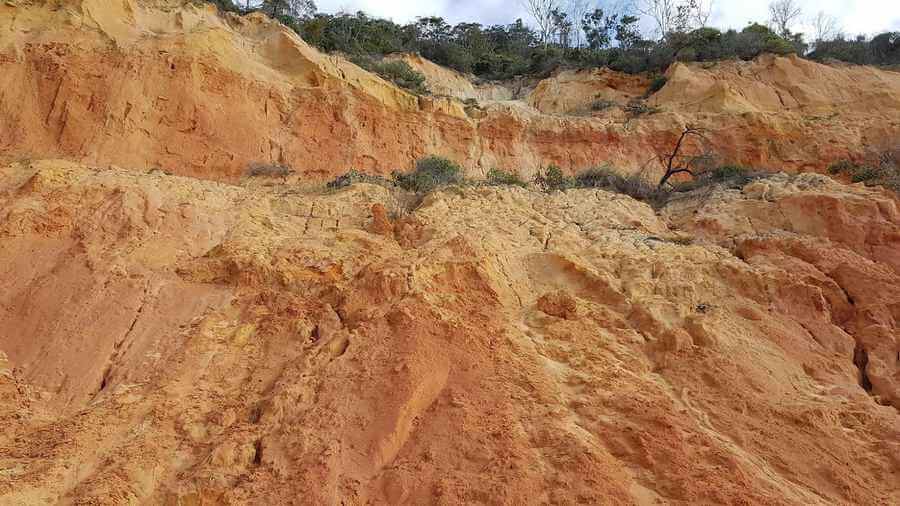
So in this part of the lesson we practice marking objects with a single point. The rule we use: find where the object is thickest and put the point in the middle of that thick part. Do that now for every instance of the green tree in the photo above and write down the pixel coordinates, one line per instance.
(598, 28)
(627, 32)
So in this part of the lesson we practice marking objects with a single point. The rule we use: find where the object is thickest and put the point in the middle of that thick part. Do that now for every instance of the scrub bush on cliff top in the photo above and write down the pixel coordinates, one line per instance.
(507, 50)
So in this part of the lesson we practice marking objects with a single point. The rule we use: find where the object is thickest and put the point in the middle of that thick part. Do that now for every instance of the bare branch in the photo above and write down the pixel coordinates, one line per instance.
(783, 14)
(825, 27)
(669, 159)
(542, 13)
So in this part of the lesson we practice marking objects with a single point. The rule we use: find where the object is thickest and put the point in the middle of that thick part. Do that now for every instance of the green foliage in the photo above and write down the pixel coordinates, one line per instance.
(430, 173)
(883, 49)
(498, 177)
(604, 178)
(599, 28)
(865, 173)
(637, 108)
(842, 167)
(656, 85)
(397, 71)
(505, 51)
(881, 169)
(628, 34)
(552, 179)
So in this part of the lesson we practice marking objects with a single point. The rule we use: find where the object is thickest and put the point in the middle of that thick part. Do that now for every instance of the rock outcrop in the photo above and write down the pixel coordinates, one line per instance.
(177, 341)
(204, 94)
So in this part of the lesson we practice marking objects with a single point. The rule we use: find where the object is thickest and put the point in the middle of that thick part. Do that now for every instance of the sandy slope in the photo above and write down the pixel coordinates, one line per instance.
(202, 94)
(175, 341)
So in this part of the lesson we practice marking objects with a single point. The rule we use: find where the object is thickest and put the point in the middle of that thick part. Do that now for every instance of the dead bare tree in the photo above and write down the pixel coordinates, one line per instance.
(825, 27)
(678, 163)
(702, 12)
(576, 10)
(675, 15)
(661, 12)
(783, 14)
(542, 12)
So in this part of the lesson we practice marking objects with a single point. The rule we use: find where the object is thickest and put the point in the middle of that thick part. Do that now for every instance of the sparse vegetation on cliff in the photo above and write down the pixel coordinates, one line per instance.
(499, 177)
(397, 71)
(882, 168)
(430, 173)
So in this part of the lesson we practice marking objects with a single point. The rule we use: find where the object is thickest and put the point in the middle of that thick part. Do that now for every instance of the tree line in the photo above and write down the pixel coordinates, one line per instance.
(576, 33)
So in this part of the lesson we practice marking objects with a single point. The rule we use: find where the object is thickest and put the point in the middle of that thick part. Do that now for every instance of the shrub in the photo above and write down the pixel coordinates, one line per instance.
(601, 104)
(865, 173)
(499, 177)
(429, 174)
(842, 167)
(656, 85)
(858, 172)
(268, 170)
(397, 71)
(637, 108)
(552, 178)
(354, 176)
(635, 186)
(604, 178)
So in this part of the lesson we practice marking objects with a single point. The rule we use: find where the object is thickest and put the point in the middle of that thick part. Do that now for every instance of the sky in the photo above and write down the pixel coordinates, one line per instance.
(855, 16)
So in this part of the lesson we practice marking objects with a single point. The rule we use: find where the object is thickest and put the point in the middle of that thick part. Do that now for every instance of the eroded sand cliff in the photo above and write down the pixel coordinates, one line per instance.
(211, 340)
(180, 340)
(203, 94)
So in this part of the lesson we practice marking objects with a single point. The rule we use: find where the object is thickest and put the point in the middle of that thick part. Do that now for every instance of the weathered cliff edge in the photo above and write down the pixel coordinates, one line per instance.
(175, 85)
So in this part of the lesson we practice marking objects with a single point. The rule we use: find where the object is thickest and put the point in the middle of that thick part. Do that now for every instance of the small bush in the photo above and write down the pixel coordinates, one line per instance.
(601, 104)
(604, 178)
(859, 173)
(842, 167)
(430, 173)
(397, 71)
(634, 185)
(552, 179)
(268, 170)
(865, 173)
(637, 108)
(354, 176)
(656, 85)
(497, 177)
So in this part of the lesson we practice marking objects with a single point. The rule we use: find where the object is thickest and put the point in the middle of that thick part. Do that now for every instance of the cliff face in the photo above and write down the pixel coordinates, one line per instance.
(188, 340)
(201, 94)
(174, 341)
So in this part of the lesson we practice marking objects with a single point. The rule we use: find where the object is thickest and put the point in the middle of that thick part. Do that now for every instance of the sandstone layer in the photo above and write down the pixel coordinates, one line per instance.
(176, 341)
(175, 85)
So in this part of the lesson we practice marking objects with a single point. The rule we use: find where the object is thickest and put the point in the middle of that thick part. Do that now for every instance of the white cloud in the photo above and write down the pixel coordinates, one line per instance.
(855, 16)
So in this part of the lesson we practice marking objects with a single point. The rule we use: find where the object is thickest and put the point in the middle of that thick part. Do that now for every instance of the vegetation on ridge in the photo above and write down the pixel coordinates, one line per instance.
(570, 36)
